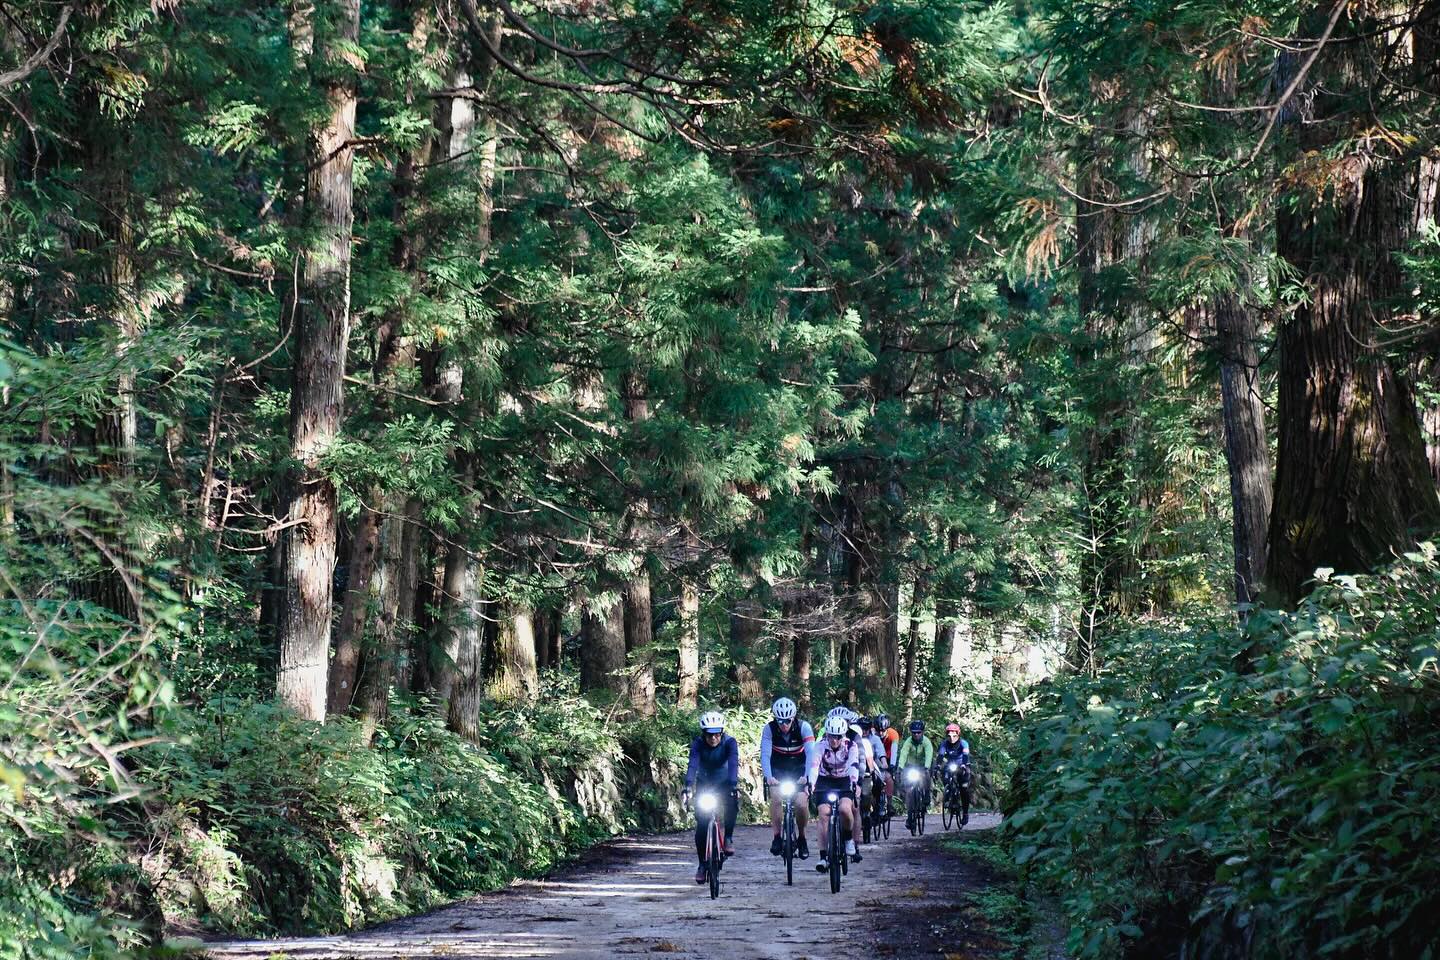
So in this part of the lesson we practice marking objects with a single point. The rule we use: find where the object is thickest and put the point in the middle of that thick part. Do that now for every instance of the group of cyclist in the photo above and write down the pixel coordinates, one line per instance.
(855, 758)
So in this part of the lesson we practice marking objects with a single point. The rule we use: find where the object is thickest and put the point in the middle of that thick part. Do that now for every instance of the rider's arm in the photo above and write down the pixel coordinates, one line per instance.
(854, 764)
(732, 763)
(894, 751)
(765, 740)
(692, 769)
(904, 754)
(812, 749)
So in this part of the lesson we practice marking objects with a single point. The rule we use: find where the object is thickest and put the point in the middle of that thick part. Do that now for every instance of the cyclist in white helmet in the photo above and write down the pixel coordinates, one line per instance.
(714, 763)
(786, 748)
(836, 769)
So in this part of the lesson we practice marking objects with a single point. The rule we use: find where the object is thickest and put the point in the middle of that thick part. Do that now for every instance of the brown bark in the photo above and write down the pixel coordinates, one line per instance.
(1247, 455)
(383, 654)
(746, 627)
(1352, 481)
(802, 670)
(688, 675)
(392, 354)
(513, 672)
(639, 616)
(349, 634)
(947, 622)
(912, 645)
(322, 327)
(467, 630)
(602, 648)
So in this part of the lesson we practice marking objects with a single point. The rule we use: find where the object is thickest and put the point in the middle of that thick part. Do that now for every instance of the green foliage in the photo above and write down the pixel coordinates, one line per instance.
(1259, 792)
(273, 824)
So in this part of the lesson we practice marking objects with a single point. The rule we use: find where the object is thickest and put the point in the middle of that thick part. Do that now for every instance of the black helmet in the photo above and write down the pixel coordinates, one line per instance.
(917, 726)
(865, 723)
(882, 721)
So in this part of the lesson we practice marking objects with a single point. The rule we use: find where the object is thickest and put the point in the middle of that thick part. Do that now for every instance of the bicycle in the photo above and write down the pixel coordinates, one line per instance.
(953, 807)
(835, 843)
(914, 805)
(788, 833)
(708, 805)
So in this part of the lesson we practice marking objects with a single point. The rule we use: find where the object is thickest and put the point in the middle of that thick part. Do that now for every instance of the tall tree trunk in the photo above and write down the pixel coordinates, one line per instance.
(639, 617)
(802, 669)
(912, 644)
(443, 658)
(602, 648)
(1246, 453)
(947, 620)
(513, 673)
(688, 675)
(1352, 481)
(322, 329)
(542, 641)
(745, 630)
(382, 655)
(467, 629)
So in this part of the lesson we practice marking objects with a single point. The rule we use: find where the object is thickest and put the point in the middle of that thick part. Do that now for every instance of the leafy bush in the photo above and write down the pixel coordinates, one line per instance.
(1257, 793)
(272, 823)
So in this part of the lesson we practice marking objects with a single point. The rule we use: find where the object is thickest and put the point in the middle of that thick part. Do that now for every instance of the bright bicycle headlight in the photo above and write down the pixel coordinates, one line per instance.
(913, 776)
(706, 803)
(787, 789)
(832, 796)
(954, 767)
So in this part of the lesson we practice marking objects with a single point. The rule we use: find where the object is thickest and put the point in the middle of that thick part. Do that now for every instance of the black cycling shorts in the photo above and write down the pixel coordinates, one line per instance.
(825, 785)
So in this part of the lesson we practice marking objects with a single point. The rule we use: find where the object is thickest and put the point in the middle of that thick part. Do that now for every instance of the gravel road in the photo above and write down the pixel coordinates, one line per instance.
(636, 897)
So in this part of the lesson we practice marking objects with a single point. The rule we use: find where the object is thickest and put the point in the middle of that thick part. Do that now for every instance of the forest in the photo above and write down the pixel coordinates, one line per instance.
(412, 414)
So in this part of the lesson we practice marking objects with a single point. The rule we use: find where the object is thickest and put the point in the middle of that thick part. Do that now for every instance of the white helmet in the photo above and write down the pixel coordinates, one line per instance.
(712, 721)
(836, 726)
(784, 709)
(855, 729)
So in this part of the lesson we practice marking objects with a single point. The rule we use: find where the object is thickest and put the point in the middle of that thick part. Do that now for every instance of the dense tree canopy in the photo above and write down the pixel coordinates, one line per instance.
(399, 360)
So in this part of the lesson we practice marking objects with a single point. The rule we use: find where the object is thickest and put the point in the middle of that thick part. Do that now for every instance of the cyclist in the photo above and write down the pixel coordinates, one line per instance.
(891, 739)
(867, 764)
(786, 748)
(880, 779)
(955, 749)
(917, 753)
(714, 764)
(835, 769)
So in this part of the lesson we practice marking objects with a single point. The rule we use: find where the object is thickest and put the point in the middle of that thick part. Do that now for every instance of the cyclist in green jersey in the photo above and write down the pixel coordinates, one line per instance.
(917, 754)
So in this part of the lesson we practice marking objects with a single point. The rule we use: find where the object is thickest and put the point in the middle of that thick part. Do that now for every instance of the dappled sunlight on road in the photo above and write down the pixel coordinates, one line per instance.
(637, 898)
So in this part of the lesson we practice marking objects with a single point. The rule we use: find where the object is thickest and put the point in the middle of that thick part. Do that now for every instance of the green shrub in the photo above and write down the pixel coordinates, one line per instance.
(277, 824)
(1261, 793)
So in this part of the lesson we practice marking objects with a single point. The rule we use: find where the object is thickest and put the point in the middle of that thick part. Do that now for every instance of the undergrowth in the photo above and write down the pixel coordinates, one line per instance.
(1256, 793)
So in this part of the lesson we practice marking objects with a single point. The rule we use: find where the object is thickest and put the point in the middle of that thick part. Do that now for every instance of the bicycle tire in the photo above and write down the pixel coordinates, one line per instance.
(787, 843)
(833, 842)
(716, 858)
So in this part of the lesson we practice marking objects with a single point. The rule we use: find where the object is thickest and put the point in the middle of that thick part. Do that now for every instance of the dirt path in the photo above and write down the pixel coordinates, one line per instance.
(635, 897)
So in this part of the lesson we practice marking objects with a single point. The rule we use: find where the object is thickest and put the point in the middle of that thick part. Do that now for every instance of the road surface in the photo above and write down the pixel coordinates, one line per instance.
(636, 897)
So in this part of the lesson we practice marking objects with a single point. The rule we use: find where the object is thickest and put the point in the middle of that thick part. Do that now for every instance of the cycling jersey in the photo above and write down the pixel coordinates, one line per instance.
(958, 752)
(879, 751)
(891, 736)
(789, 752)
(840, 762)
(914, 754)
(713, 766)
